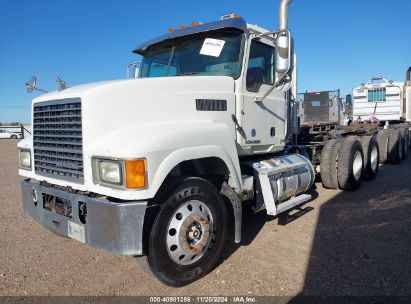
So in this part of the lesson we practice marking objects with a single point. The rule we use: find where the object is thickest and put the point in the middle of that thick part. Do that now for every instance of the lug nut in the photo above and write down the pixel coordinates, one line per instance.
(199, 247)
(35, 197)
(187, 247)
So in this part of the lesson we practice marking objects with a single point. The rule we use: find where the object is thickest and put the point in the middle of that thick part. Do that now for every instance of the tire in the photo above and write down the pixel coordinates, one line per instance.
(409, 137)
(395, 149)
(13, 136)
(350, 165)
(405, 140)
(382, 139)
(329, 156)
(188, 235)
(371, 157)
(144, 267)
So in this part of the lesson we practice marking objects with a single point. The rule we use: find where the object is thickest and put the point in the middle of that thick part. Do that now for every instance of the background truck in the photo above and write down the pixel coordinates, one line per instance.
(10, 132)
(320, 111)
(208, 128)
(381, 104)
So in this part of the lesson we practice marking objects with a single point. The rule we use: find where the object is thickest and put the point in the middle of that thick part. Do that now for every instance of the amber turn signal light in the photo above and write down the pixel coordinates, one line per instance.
(136, 173)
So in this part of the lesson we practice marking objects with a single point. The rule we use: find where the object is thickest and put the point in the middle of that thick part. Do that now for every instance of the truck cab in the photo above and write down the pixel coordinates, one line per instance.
(156, 165)
(233, 53)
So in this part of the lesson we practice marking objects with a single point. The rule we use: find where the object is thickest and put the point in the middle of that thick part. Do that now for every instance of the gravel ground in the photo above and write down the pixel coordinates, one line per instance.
(350, 243)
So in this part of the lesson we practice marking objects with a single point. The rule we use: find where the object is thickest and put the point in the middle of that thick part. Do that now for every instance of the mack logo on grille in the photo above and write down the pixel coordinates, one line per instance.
(68, 165)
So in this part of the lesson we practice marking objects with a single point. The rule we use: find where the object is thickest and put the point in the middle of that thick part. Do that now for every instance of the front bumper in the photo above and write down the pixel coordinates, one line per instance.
(114, 227)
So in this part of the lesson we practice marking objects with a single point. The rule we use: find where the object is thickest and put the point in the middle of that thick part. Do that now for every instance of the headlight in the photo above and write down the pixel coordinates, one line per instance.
(130, 174)
(109, 171)
(25, 159)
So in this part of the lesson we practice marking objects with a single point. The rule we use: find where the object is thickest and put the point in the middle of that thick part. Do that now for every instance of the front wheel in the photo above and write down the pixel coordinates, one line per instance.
(188, 234)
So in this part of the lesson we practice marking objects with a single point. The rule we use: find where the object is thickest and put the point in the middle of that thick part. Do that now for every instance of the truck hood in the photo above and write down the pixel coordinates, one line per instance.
(201, 82)
(113, 106)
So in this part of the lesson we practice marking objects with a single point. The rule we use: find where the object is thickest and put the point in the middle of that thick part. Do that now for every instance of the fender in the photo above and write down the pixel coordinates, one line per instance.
(165, 145)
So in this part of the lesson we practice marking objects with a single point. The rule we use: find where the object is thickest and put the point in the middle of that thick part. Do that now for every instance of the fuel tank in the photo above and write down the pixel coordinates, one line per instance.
(283, 180)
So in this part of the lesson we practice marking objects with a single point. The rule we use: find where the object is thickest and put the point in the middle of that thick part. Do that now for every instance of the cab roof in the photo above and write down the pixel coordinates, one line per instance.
(236, 23)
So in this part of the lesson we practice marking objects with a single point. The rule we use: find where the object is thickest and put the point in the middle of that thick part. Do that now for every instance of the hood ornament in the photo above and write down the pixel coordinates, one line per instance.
(62, 85)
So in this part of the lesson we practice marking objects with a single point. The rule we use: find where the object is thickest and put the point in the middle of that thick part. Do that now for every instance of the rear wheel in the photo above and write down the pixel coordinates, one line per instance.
(409, 137)
(382, 139)
(329, 156)
(13, 136)
(188, 234)
(350, 165)
(395, 146)
(371, 156)
(405, 140)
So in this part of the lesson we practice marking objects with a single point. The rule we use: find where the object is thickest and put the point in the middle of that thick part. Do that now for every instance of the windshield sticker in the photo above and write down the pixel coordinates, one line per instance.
(212, 47)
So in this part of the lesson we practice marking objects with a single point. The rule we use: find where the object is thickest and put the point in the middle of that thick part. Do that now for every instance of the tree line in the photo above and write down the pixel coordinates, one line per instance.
(10, 124)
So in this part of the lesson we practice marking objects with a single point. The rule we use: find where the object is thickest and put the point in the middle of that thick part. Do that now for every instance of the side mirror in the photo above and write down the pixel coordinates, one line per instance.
(31, 84)
(283, 53)
(348, 98)
(135, 69)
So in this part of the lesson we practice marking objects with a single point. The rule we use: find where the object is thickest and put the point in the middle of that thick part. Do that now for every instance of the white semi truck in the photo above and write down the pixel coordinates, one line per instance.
(383, 100)
(385, 105)
(208, 128)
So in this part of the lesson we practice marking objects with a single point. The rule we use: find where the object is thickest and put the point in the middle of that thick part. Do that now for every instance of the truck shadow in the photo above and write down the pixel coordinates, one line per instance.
(254, 222)
(362, 241)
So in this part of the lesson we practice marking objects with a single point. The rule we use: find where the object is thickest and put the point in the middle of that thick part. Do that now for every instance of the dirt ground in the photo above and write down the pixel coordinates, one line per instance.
(349, 243)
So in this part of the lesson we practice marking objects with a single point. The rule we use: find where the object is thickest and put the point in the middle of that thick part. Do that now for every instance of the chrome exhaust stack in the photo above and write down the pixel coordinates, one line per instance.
(283, 14)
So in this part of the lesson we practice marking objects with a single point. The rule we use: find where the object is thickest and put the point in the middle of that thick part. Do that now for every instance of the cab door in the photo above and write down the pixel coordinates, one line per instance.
(263, 123)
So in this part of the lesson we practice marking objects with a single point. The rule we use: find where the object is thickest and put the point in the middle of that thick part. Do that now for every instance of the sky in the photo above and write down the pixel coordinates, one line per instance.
(339, 44)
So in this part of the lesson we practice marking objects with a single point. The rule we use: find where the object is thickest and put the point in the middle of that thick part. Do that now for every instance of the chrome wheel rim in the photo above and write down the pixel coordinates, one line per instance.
(357, 165)
(189, 232)
(374, 159)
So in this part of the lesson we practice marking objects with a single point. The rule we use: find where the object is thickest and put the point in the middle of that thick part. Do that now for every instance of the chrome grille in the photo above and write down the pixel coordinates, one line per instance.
(57, 139)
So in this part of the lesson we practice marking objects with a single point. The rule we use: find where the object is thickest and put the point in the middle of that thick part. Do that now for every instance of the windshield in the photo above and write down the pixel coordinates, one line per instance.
(215, 53)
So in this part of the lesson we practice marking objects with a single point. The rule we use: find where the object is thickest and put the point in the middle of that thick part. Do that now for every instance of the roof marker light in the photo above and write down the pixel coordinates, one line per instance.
(230, 16)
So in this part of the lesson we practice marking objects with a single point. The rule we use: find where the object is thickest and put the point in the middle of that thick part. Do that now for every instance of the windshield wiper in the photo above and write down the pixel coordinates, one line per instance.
(169, 60)
(186, 73)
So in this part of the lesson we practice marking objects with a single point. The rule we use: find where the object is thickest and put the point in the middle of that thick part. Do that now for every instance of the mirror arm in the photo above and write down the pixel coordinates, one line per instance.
(260, 99)
(43, 91)
(275, 33)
